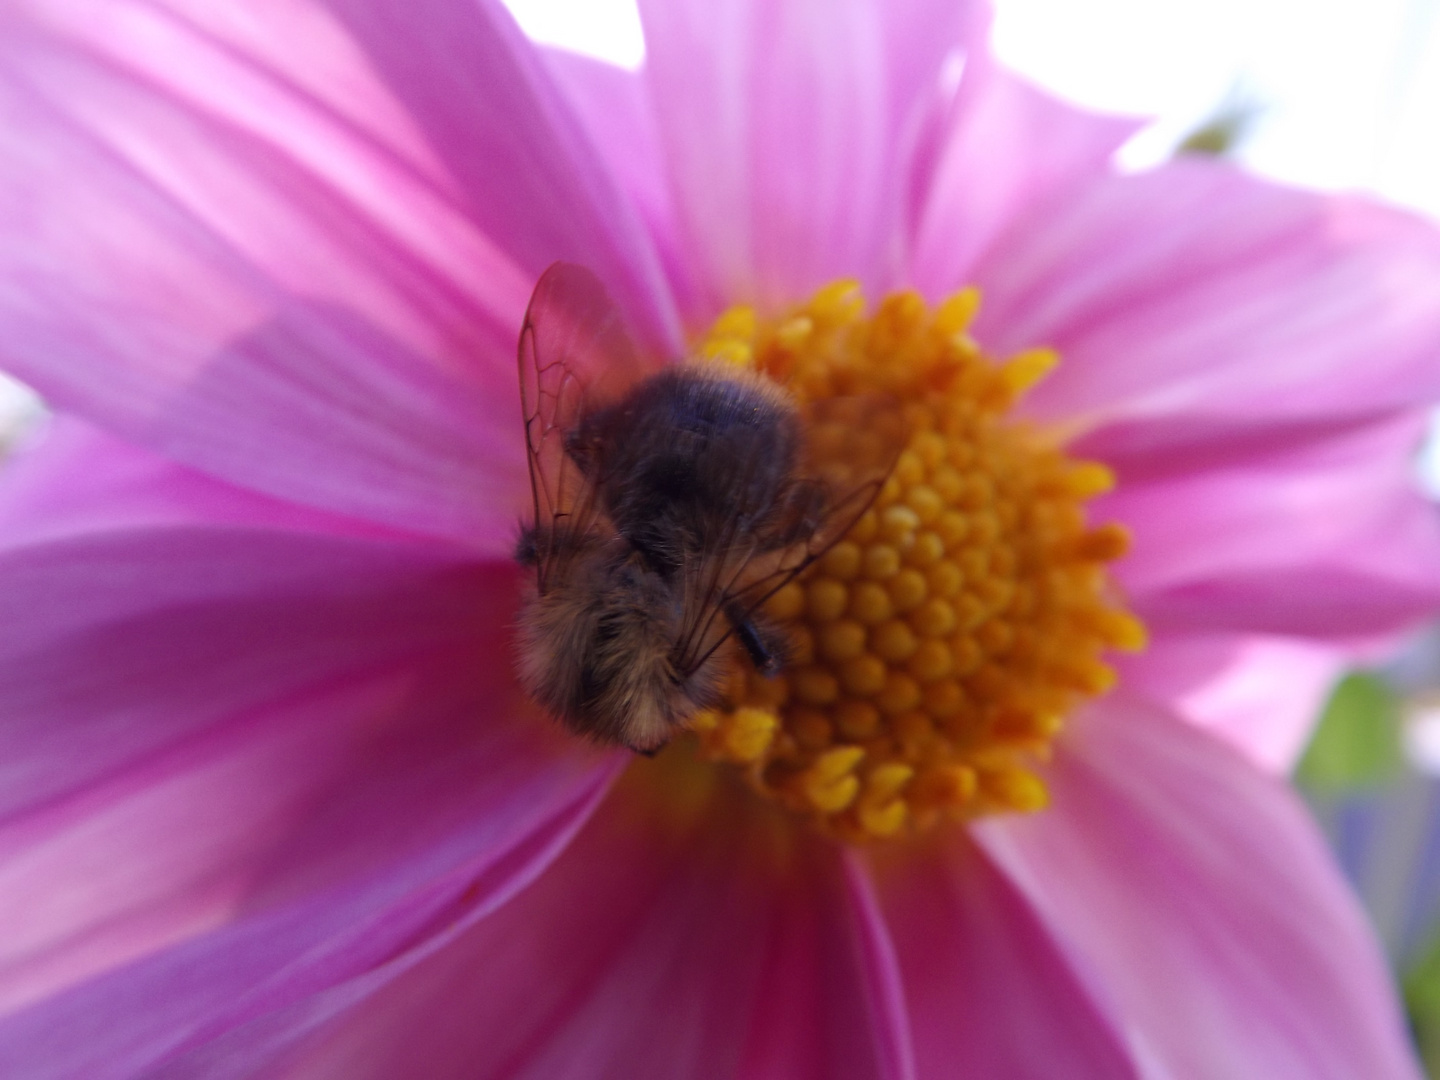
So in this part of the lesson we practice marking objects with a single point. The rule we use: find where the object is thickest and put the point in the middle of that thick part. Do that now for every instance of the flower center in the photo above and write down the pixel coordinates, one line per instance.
(939, 645)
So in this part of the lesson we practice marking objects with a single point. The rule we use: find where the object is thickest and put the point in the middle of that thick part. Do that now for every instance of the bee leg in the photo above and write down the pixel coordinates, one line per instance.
(766, 645)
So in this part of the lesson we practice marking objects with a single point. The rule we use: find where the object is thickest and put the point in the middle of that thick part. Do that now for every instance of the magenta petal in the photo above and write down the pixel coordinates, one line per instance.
(1195, 288)
(260, 154)
(209, 253)
(245, 739)
(648, 950)
(486, 101)
(1339, 601)
(1324, 537)
(989, 994)
(1197, 904)
(789, 131)
(1007, 149)
(70, 479)
(334, 839)
(614, 106)
(887, 1015)
(144, 602)
(318, 407)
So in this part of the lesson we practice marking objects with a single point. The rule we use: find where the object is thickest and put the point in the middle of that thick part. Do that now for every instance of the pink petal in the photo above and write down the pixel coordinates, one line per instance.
(261, 150)
(1195, 901)
(614, 106)
(532, 179)
(989, 994)
(923, 40)
(1325, 536)
(887, 1014)
(333, 840)
(1261, 695)
(789, 132)
(208, 251)
(649, 950)
(1352, 604)
(1007, 149)
(144, 602)
(68, 479)
(1194, 288)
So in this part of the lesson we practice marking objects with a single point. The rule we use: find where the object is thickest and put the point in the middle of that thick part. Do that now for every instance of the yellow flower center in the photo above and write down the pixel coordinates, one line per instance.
(938, 647)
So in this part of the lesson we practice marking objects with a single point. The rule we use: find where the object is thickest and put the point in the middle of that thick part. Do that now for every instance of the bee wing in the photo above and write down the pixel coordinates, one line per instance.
(574, 353)
(851, 446)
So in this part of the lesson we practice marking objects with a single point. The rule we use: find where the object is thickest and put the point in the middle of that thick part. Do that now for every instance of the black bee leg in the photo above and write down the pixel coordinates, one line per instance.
(766, 646)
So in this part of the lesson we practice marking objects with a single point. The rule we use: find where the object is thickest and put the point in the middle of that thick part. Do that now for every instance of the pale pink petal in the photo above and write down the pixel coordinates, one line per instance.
(924, 42)
(1195, 901)
(989, 994)
(143, 602)
(1322, 536)
(1194, 288)
(789, 132)
(1268, 702)
(1262, 695)
(650, 949)
(1007, 149)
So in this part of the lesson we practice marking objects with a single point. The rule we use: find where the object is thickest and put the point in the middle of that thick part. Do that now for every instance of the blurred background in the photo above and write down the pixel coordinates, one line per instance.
(1333, 94)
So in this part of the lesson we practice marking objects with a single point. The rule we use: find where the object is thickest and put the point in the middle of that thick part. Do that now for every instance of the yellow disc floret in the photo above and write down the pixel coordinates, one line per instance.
(937, 647)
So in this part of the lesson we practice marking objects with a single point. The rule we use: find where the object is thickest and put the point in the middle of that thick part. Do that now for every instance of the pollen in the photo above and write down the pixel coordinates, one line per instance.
(939, 645)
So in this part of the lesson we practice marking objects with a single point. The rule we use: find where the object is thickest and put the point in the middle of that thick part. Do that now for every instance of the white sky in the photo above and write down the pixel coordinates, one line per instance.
(1347, 92)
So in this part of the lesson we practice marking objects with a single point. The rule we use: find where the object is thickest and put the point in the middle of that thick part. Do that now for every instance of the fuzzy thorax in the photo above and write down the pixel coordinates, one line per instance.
(937, 649)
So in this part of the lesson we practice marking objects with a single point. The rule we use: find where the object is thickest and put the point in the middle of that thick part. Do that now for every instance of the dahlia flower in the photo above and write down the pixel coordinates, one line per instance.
(273, 802)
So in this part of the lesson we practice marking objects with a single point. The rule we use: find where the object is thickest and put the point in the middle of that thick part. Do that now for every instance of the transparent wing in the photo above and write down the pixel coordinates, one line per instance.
(851, 445)
(574, 354)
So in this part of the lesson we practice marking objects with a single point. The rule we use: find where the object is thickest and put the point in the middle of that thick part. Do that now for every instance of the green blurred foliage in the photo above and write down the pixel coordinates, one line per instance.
(1354, 756)
(1223, 133)
(1421, 988)
(1357, 743)
(1213, 139)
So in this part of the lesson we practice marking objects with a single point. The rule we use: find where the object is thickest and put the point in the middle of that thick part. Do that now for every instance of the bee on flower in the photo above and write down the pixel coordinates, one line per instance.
(939, 658)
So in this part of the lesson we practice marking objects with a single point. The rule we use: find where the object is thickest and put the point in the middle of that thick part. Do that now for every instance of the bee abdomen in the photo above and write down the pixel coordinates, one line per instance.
(598, 651)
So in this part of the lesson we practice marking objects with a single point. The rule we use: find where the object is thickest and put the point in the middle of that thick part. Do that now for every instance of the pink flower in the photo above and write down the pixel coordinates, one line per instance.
(272, 802)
